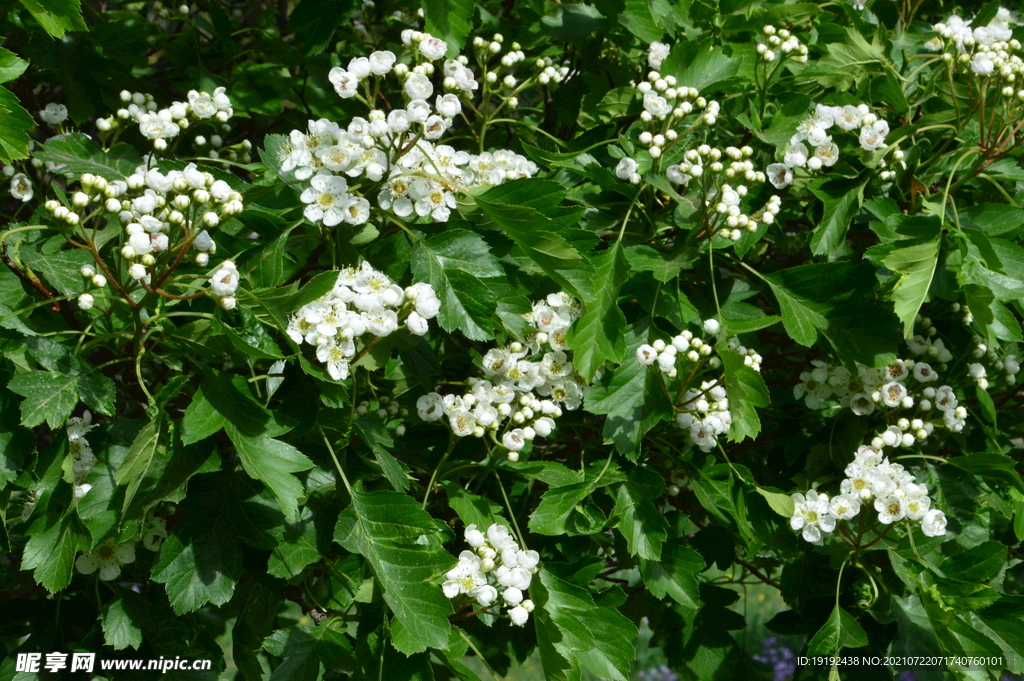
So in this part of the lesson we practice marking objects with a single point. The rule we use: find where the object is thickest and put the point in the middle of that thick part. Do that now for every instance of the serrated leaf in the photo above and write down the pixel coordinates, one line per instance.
(562, 508)
(449, 20)
(305, 648)
(454, 263)
(746, 390)
(631, 398)
(379, 440)
(576, 634)
(119, 632)
(136, 462)
(82, 155)
(273, 463)
(639, 20)
(841, 200)
(596, 337)
(400, 541)
(642, 524)
(15, 123)
(674, 575)
(199, 563)
(49, 397)
(840, 631)
(51, 552)
(11, 66)
(296, 548)
(57, 16)
(782, 504)
(916, 266)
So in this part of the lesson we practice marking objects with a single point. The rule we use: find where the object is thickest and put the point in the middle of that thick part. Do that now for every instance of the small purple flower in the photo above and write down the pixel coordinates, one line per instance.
(781, 659)
(662, 673)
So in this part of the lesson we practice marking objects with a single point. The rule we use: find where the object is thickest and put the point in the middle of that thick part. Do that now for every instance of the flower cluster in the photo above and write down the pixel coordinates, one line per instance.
(397, 147)
(495, 563)
(527, 385)
(824, 152)
(82, 458)
(159, 125)
(704, 412)
(870, 476)
(500, 81)
(1006, 367)
(363, 302)
(786, 44)
(705, 168)
(902, 388)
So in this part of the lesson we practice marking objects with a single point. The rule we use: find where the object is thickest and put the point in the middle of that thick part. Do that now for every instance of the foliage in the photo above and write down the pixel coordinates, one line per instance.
(397, 340)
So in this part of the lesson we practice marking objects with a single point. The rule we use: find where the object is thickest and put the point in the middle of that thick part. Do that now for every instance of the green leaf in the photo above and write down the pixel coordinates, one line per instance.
(840, 631)
(11, 66)
(136, 462)
(782, 504)
(746, 390)
(642, 524)
(379, 440)
(272, 462)
(305, 648)
(631, 397)
(565, 508)
(449, 20)
(49, 397)
(829, 298)
(315, 21)
(200, 562)
(699, 65)
(841, 199)
(674, 575)
(639, 20)
(57, 16)
(573, 630)
(82, 155)
(15, 123)
(98, 392)
(664, 266)
(979, 563)
(60, 269)
(454, 263)
(572, 22)
(916, 266)
(296, 547)
(401, 543)
(597, 337)
(119, 632)
(51, 549)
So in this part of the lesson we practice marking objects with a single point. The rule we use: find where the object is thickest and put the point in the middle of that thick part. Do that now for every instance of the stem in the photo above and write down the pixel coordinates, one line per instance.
(433, 476)
(337, 464)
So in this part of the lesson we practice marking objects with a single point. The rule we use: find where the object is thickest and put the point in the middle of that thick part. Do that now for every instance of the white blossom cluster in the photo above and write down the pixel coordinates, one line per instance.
(502, 77)
(496, 563)
(823, 151)
(902, 388)
(527, 385)
(82, 458)
(704, 412)
(160, 125)
(397, 147)
(705, 168)
(870, 476)
(781, 44)
(364, 304)
(1006, 367)
(161, 212)
(987, 51)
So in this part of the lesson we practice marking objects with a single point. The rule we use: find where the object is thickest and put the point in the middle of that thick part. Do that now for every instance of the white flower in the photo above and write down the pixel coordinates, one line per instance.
(21, 187)
(519, 615)
(934, 523)
(780, 175)
(326, 199)
(625, 168)
(514, 440)
(872, 136)
(796, 155)
(54, 113)
(893, 393)
(845, 506)
(335, 358)
(107, 558)
(430, 407)
(418, 86)
(137, 271)
(462, 422)
(499, 537)
(813, 515)
(828, 154)
(712, 326)
(917, 506)
(224, 281)
(890, 509)
(433, 48)
(381, 62)
(86, 301)
(417, 324)
(646, 354)
(448, 106)
(345, 84)
(474, 537)
(512, 596)
(656, 54)
(485, 594)
(847, 117)
(982, 64)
